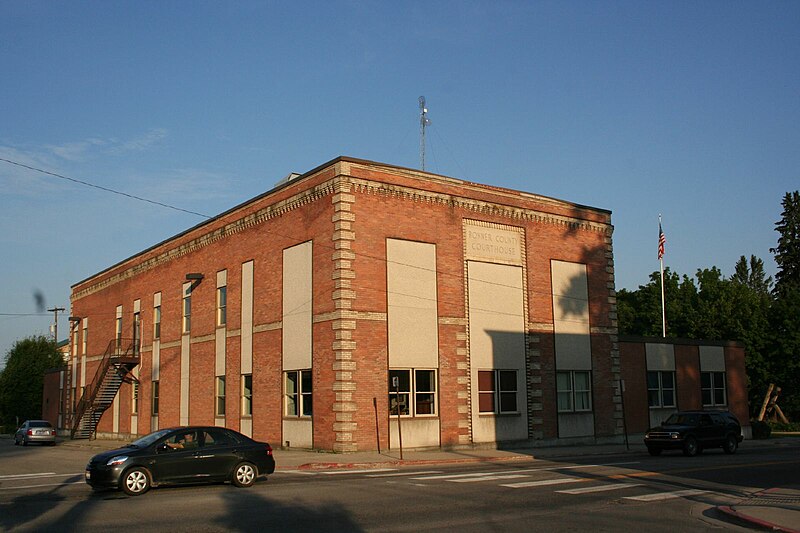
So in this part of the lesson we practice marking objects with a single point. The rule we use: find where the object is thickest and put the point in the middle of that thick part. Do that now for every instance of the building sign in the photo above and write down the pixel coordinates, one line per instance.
(492, 244)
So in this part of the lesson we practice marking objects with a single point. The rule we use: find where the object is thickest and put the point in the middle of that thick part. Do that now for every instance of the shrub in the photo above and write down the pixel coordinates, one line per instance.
(761, 429)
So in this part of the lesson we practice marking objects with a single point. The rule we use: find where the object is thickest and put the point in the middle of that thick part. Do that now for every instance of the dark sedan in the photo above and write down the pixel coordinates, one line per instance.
(181, 455)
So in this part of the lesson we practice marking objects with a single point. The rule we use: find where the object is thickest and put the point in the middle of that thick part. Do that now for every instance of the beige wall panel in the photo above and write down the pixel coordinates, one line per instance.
(575, 425)
(412, 304)
(184, 407)
(297, 297)
(246, 426)
(246, 336)
(219, 347)
(571, 316)
(417, 432)
(660, 356)
(298, 433)
(712, 359)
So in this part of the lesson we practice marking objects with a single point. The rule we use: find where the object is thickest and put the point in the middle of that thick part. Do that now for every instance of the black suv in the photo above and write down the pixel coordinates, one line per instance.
(692, 431)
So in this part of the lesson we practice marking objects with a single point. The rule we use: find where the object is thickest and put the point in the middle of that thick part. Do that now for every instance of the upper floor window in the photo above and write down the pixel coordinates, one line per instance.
(187, 310)
(157, 322)
(222, 304)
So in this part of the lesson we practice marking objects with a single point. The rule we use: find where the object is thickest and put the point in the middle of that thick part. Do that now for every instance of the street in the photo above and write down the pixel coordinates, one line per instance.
(42, 489)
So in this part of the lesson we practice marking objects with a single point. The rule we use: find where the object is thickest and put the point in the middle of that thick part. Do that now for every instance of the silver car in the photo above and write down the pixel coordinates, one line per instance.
(35, 431)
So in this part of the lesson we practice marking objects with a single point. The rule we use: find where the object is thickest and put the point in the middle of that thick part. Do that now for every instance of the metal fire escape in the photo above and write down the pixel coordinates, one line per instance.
(114, 369)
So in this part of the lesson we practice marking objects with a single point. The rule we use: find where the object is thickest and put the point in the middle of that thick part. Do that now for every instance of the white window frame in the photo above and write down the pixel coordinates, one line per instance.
(413, 390)
(222, 305)
(300, 400)
(157, 322)
(714, 379)
(572, 393)
(186, 311)
(660, 390)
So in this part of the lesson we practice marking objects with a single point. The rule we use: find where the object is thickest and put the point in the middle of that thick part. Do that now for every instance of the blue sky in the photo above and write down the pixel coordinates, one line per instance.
(688, 109)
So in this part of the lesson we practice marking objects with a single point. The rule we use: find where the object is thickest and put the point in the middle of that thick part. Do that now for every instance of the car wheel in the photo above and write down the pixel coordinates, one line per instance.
(653, 451)
(244, 475)
(731, 444)
(690, 447)
(24, 442)
(136, 481)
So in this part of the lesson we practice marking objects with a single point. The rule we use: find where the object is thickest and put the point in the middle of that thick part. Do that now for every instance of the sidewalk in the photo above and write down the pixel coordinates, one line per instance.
(776, 509)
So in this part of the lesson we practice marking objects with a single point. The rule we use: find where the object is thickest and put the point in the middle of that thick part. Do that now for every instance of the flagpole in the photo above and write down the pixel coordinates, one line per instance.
(661, 263)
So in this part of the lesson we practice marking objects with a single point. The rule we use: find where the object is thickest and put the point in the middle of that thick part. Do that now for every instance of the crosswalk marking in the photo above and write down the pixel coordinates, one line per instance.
(398, 474)
(487, 477)
(362, 471)
(473, 474)
(599, 488)
(666, 495)
(543, 482)
(39, 474)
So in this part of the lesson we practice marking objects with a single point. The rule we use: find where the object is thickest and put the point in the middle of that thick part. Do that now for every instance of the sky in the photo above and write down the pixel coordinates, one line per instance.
(690, 110)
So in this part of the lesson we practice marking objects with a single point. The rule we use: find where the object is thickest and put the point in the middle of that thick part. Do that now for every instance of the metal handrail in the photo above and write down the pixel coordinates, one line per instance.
(113, 351)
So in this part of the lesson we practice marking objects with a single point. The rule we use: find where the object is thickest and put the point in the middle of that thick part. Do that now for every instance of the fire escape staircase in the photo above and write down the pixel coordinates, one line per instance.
(119, 359)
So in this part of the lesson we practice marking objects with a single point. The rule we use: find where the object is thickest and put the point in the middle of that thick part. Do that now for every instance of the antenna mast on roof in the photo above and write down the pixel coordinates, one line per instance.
(423, 121)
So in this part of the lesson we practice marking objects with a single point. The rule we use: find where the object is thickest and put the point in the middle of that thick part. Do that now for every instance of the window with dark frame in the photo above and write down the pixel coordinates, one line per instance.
(247, 395)
(154, 403)
(497, 391)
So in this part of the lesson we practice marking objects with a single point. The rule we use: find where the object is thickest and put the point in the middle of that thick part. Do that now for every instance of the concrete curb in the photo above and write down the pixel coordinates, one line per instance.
(753, 521)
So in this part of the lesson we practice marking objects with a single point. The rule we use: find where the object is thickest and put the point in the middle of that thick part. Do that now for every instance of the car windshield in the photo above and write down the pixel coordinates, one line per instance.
(147, 440)
(681, 419)
(40, 424)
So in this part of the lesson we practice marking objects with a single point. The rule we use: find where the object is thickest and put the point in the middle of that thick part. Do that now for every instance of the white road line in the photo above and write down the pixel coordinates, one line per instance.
(666, 495)
(543, 482)
(335, 472)
(406, 474)
(82, 482)
(599, 488)
(473, 474)
(41, 474)
(487, 478)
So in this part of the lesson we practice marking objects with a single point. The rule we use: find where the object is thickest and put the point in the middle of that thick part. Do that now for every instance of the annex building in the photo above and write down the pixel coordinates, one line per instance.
(315, 314)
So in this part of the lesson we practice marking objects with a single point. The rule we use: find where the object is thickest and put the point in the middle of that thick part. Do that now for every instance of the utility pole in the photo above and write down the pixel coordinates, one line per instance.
(55, 312)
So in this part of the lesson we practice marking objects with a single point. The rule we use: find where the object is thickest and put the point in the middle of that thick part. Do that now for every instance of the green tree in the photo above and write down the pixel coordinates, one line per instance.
(639, 311)
(22, 379)
(785, 311)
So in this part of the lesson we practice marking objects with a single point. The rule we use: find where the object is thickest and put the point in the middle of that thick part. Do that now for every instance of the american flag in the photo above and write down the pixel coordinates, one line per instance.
(662, 240)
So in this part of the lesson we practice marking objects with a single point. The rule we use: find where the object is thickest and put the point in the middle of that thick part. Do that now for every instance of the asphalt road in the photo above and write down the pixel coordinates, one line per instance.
(42, 489)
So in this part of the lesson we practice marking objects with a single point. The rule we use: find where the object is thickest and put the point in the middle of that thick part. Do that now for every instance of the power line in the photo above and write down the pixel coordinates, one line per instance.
(106, 189)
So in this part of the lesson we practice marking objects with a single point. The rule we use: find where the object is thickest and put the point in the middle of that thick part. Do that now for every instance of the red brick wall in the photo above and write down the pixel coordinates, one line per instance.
(687, 377)
(634, 372)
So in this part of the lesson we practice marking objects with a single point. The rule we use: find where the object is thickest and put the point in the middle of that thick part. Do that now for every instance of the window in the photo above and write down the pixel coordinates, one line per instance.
(220, 396)
(137, 333)
(299, 400)
(497, 391)
(118, 334)
(661, 388)
(157, 322)
(713, 388)
(574, 391)
(247, 395)
(85, 337)
(135, 397)
(187, 310)
(155, 398)
(415, 393)
(222, 303)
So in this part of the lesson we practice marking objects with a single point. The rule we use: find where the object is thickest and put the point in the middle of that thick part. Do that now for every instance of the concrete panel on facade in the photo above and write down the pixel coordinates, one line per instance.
(575, 425)
(571, 316)
(185, 366)
(660, 356)
(496, 341)
(712, 359)
(297, 298)
(246, 426)
(417, 432)
(246, 332)
(297, 433)
(412, 304)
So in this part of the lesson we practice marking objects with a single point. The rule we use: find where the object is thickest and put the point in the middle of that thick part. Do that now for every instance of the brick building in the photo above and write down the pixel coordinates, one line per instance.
(311, 314)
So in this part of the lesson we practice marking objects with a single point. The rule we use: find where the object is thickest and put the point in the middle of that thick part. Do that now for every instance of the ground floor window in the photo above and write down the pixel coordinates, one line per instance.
(661, 388)
(247, 395)
(412, 392)
(574, 391)
(713, 388)
(299, 400)
(154, 402)
(219, 409)
(497, 391)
